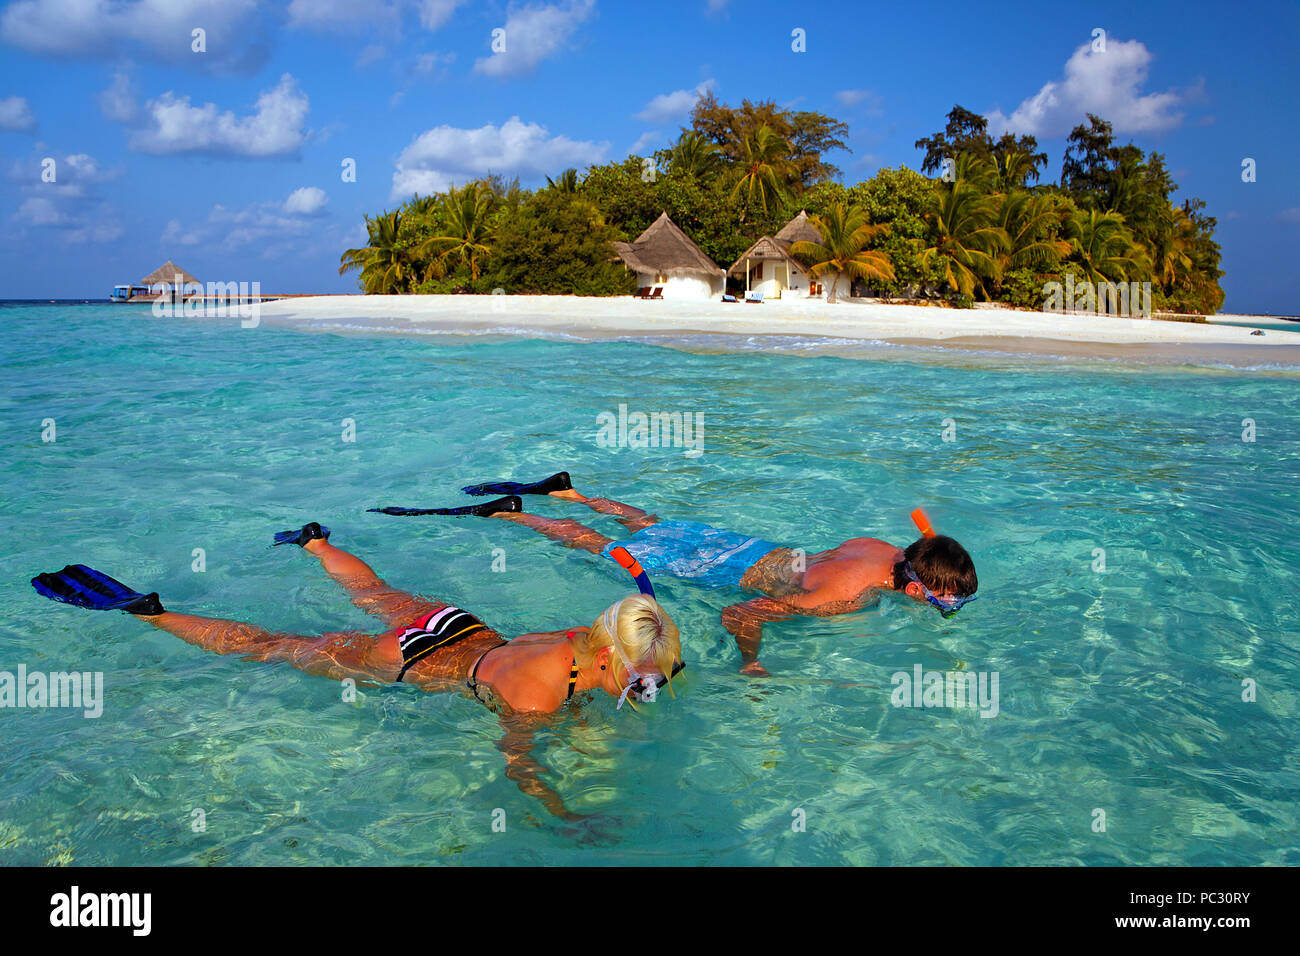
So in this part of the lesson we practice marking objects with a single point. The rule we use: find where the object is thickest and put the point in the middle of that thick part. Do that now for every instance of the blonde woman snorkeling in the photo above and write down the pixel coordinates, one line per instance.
(630, 652)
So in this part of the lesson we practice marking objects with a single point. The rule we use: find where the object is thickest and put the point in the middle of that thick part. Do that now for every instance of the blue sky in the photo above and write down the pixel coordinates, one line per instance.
(229, 160)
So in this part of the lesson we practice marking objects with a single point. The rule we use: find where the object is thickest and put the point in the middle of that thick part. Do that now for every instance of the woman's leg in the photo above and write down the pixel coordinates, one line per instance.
(629, 516)
(331, 655)
(367, 590)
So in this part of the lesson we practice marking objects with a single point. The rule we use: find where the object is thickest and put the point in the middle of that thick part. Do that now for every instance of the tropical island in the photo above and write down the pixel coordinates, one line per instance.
(744, 203)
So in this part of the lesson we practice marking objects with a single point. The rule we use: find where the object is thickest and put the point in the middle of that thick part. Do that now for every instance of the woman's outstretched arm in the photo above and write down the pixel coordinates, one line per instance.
(517, 745)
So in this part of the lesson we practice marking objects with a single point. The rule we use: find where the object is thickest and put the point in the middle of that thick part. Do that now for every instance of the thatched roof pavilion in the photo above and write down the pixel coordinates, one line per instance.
(767, 248)
(663, 249)
(799, 229)
(166, 275)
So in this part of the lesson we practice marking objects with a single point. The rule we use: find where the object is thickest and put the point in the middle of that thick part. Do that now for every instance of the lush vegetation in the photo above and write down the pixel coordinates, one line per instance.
(980, 226)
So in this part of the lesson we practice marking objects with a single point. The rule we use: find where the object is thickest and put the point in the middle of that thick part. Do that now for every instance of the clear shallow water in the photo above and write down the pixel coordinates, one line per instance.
(1119, 691)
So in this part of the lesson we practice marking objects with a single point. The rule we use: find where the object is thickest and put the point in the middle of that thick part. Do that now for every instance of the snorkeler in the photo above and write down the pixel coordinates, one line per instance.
(630, 652)
(933, 569)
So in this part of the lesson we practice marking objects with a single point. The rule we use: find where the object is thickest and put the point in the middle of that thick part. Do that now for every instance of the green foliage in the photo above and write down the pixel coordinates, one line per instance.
(967, 132)
(846, 233)
(964, 237)
(735, 174)
(1024, 288)
(808, 135)
(557, 244)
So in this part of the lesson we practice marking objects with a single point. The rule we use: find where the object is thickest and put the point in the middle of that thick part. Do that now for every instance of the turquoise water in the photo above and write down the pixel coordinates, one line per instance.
(1271, 323)
(1119, 691)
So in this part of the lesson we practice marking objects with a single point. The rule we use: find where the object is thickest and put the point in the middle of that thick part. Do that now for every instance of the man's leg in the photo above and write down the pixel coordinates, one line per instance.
(569, 533)
(629, 516)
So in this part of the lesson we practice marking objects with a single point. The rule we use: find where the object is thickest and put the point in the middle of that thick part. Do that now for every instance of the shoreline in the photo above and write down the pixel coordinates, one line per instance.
(843, 328)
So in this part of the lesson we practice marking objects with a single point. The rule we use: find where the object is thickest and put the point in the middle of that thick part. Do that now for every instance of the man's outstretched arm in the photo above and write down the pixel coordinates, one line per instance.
(745, 623)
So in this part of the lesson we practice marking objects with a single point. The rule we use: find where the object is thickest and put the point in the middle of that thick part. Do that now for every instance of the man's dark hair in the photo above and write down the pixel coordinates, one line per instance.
(942, 565)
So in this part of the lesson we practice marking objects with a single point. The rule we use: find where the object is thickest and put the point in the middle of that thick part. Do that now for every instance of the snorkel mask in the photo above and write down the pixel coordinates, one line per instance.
(947, 606)
(641, 688)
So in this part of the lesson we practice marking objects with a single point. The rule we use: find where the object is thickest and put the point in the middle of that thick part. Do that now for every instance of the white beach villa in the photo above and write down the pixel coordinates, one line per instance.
(769, 267)
(665, 257)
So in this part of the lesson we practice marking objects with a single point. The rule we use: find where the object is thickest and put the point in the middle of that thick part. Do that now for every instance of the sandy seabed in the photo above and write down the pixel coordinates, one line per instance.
(832, 327)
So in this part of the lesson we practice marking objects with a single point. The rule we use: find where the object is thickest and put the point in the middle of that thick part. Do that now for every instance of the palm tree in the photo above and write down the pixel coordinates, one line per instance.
(465, 213)
(1016, 169)
(966, 237)
(566, 183)
(978, 171)
(1027, 219)
(764, 168)
(845, 232)
(419, 205)
(1173, 259)
(694, 155)
(1103, 246)
(385, 267)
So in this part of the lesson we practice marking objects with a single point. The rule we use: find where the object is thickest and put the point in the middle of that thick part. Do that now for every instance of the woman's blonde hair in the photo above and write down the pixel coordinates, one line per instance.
(641, 631)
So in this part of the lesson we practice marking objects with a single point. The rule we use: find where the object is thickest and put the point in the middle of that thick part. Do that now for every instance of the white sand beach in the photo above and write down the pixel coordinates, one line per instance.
(984, 329)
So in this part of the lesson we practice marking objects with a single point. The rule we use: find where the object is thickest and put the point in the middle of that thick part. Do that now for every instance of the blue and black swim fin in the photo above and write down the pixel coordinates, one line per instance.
(557, 482)
(488, 508)
(85, 587)
(311, 531)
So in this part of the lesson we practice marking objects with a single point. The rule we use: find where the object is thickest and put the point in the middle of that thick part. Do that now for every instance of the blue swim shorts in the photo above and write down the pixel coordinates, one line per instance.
(695, 552)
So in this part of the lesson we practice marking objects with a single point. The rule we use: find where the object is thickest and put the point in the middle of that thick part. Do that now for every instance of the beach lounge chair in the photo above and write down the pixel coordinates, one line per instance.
(658, 293)
(641, 293)
(728, 297)
(754, 297)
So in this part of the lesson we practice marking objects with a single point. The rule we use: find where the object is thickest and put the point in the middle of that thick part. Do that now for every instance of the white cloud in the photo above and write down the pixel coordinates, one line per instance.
(274, 128)
(338, 14)
(669, 106)
(867, 99)
(645, 139)
(96, 232)
(532, 34)
(371, 53)
(347, 15)
(71, 203)
(306, 201)
(176, 235)
(39, 211)
(447, 154)
(434, 13)
(293, 221)
(119, 102)
(1108, 84)
(159, 29)
(16, 115)
(428, 62)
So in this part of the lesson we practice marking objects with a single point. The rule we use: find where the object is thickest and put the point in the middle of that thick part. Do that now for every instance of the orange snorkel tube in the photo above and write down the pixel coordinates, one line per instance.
(922, 523)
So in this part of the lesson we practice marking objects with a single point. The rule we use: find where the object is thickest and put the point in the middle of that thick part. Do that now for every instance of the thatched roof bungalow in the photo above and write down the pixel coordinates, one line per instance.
(165, 275)
(665, 256)
(769, 267)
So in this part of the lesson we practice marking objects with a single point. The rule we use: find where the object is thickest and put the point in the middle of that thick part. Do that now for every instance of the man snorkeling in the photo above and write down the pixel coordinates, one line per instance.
(630, 652)
(934, 569)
